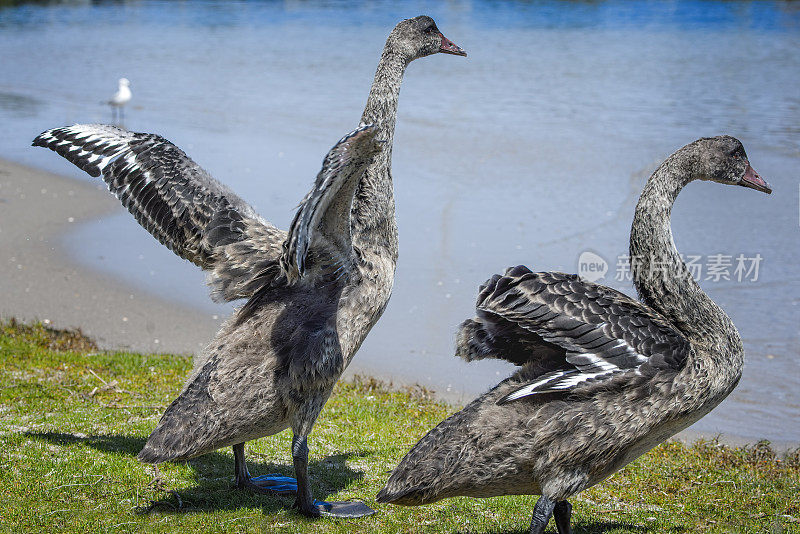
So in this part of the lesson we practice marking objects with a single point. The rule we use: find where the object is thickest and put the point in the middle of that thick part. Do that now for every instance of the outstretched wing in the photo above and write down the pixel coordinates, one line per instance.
(178, 202)
(319, 235)
(578, 332)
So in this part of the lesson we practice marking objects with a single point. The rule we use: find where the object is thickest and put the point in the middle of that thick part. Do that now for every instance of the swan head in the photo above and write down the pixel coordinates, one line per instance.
(419, 37)
(722, 159)
(123, 82)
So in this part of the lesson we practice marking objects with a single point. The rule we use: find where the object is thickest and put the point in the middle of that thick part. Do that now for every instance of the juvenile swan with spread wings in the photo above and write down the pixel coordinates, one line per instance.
(312, 294)
(604, 378)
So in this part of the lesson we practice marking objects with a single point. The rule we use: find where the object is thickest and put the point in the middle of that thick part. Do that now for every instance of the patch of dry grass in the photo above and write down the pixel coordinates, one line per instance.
(43, 336)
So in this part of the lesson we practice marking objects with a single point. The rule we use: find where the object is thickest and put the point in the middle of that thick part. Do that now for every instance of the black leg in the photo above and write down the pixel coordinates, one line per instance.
(271, 484)
(305, 502)
(562, 514)
(541, 515)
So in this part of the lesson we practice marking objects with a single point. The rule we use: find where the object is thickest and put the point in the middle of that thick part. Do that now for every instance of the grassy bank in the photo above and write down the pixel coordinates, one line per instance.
(72, 420)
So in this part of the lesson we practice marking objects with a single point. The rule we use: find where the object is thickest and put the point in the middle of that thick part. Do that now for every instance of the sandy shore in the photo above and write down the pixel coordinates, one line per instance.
(38, 281)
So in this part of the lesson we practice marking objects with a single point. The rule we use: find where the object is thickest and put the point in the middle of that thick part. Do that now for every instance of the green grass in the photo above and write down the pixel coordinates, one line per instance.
(73, 418)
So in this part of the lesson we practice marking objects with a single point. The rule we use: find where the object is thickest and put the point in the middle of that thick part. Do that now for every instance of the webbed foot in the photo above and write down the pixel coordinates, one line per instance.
(342, 509)
(273, 484)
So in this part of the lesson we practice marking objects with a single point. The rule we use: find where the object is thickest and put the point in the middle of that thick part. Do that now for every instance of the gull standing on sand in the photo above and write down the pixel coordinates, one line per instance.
(118, 101)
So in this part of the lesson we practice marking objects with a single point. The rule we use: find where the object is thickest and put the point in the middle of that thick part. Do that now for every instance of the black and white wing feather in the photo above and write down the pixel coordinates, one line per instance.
(178, 202)
(320, 231)
(578, 332)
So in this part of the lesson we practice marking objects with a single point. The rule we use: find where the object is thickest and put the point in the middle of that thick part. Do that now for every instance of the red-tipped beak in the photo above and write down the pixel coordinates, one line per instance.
(449, 47)
(752, 180)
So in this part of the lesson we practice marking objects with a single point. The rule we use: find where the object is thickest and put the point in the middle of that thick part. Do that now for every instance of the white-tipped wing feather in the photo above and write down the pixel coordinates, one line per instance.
(178, 202)
(579, 333)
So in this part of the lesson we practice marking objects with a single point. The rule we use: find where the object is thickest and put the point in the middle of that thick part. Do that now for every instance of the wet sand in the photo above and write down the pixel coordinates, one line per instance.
(39, 282)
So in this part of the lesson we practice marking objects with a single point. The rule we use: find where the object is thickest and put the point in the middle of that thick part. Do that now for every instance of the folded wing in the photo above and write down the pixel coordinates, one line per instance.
(577, 333)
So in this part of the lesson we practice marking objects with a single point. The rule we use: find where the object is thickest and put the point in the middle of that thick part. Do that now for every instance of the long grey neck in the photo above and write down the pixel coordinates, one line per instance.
(373, 212)
(662, 279)
(381, 108)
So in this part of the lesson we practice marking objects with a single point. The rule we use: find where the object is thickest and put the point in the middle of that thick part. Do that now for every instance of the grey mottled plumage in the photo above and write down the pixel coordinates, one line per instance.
(595, 333)
(312, 294)
(604, 378)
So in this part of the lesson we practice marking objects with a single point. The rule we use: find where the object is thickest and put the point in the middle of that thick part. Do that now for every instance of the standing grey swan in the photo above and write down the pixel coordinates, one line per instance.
(604, 378)
(312, 294)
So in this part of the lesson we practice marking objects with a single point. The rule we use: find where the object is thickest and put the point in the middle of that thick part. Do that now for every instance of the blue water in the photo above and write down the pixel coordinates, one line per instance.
(531, 150)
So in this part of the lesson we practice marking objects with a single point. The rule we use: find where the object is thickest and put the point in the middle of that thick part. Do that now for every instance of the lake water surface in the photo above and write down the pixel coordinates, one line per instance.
(531, 150)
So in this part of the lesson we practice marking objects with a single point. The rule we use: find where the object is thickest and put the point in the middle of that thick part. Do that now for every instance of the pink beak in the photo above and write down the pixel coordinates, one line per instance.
(752, 180)
(449, 47)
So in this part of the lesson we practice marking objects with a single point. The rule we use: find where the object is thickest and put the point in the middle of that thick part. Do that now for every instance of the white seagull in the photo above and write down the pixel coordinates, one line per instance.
(120, 98)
